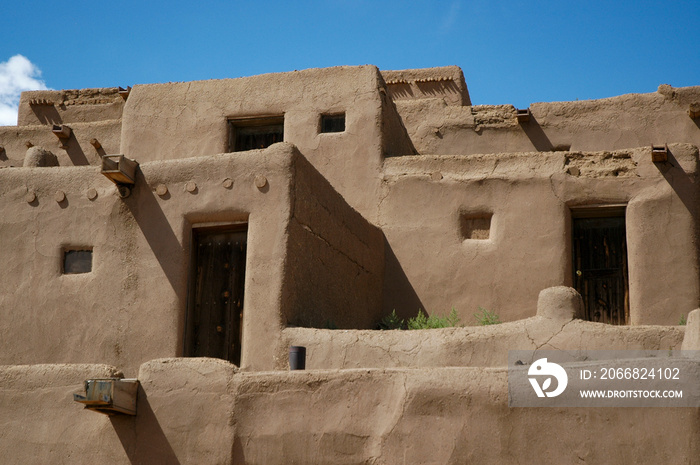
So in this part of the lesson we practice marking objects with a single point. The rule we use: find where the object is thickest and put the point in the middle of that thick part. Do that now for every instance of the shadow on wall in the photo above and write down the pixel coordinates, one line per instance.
(143, 441)
(237, 451)
(534, 132)
(400, 90)
(46, 114)
(157, 230)
(398, 293)
(438, 88)
(75, 152)
(433, 89)
(681, 183)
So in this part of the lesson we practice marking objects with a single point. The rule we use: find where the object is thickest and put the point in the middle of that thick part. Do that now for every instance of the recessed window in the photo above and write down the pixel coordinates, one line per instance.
(77, 261)
(255, 133)
(333, 123)
(476, 226)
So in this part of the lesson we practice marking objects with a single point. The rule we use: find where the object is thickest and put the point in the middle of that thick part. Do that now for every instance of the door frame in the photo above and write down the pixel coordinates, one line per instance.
(195, 230)
(617, 210)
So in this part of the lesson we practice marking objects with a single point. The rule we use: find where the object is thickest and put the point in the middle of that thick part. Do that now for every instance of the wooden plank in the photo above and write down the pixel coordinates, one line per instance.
(600, 268)
(217, 305)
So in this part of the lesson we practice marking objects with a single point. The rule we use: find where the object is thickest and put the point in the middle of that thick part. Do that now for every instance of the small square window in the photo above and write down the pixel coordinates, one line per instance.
(476, 227)
(255, 133)
(333, 123)
(77, 261)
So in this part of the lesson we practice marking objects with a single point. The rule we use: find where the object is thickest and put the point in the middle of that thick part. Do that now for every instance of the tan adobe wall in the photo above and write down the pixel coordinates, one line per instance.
(131, 307)
(48, 107)
(555, 327)
(177, 120)
(468, 346)
(441, 415)
(634, 120)
(335, 259)
(338, 235)
(40, 423)
(91, 114)
(529, 198)
(445, 83)
(75, 151)
(194, 411)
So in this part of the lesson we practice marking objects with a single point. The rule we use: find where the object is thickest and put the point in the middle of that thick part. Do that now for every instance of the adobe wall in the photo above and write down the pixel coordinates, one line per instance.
(529, 198)
(469, 346)
(557, 326)
(334, 259)
(445, 83)
(442, 415)
(437, 126)
(48, 107)
(203, 411)
(40, 423)
(177, 120)
(131, 307)
(181, 120)
(75, 151)
(434, 396)
(91, 114)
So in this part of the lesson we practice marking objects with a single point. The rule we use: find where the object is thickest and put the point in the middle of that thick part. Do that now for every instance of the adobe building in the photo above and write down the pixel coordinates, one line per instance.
(187, 234)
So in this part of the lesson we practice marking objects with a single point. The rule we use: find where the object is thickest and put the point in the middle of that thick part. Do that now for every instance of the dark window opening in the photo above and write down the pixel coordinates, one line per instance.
(600, 264)
(77, 261)
(215, 314)
(476, 227)
(255, 133)
(333, 123)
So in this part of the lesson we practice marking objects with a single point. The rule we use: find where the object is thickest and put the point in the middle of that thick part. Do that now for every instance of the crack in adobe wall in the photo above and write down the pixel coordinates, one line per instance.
(553, 336)
(332, 247)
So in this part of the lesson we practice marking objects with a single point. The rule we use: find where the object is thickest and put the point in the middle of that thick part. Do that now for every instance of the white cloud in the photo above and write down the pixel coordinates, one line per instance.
(16, 75)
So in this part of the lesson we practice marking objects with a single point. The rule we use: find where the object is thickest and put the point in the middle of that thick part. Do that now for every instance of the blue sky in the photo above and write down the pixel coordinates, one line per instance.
(515, 52)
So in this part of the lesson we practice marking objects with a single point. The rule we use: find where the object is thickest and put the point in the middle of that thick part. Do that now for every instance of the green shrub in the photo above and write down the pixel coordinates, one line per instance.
(423, 321)
(683, 321)
(391, 321)
(452, 318)
(486, 317)
(419, 321)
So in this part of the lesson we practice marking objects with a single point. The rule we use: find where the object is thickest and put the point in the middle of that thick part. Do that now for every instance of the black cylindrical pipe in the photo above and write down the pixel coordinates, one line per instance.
(297, 358)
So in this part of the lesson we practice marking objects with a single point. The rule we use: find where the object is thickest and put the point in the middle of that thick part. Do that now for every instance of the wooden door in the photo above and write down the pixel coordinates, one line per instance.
(600, 268)
(216, 303)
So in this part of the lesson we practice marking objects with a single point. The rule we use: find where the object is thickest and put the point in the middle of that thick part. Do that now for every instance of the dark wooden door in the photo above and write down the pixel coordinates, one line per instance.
(600, 268)
(216, 305)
